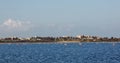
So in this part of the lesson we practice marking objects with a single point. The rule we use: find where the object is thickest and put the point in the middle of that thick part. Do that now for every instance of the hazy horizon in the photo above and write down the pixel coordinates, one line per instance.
(24, 18)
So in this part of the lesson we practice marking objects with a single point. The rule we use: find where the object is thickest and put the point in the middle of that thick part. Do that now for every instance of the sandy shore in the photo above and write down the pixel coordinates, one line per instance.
(61, 42)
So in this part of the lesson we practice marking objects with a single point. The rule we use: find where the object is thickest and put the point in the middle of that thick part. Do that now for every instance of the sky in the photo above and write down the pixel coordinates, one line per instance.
(25, 18)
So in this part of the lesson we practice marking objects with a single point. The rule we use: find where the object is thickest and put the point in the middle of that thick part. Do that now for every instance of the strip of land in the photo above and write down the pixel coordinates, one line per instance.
(63, 39)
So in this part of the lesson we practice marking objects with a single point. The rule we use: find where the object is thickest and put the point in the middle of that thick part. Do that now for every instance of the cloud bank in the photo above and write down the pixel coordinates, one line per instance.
(15, 25)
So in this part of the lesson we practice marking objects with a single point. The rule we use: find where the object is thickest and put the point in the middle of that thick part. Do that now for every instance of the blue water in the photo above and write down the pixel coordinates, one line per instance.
(60, 53)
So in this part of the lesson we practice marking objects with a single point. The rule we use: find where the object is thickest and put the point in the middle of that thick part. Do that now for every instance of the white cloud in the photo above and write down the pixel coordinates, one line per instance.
(15, 25)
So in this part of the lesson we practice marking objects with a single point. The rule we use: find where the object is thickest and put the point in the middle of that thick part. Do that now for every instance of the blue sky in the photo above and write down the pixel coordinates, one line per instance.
(59, 17)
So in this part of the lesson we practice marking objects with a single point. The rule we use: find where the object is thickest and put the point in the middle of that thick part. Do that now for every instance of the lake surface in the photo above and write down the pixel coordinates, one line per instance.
(60, 53)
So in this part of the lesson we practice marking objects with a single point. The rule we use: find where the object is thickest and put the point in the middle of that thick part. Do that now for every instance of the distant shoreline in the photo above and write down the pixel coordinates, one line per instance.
(64, 39)
(60, 42)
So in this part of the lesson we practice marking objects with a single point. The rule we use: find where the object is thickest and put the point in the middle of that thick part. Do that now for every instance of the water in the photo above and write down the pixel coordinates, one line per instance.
(60, 53)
